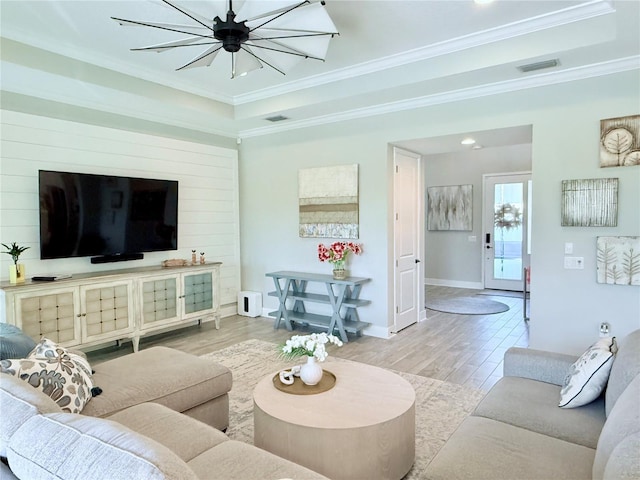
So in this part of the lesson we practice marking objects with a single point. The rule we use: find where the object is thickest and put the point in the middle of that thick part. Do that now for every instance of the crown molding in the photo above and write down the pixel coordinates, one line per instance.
(116, 66)
(119, 110)
(540, 80)
(565, 16)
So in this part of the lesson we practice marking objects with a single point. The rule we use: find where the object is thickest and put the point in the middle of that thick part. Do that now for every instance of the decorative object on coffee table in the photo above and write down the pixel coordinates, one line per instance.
(337, 254)
(16, 271)
(313, 348)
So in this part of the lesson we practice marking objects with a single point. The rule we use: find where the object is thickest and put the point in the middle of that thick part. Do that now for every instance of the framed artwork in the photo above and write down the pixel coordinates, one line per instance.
(620, 141)
(328, 202)
(450, 207)
(590, 203)
(618, 260)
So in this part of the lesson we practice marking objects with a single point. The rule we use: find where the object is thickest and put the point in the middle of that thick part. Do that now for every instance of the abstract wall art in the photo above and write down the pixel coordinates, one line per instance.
(590, 203)
(450, 207)
(328, 202)
(618, 260)
(620, 141)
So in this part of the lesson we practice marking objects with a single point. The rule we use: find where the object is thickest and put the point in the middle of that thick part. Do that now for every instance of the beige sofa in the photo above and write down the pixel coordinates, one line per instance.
(134, 428)
(519, 432)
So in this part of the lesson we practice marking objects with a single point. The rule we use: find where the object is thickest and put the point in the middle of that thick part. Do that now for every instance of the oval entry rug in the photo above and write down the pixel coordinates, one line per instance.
(466, 305)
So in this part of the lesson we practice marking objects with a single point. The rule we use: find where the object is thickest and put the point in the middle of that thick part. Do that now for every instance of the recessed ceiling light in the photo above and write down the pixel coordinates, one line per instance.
(483, 2)
(468, 141)
(477, 147)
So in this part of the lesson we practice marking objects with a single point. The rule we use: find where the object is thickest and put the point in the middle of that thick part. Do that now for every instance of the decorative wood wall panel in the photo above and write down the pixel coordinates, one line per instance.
(208, 189)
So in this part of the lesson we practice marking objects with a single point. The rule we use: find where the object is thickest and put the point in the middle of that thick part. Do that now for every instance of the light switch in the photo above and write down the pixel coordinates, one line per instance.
(568, 248)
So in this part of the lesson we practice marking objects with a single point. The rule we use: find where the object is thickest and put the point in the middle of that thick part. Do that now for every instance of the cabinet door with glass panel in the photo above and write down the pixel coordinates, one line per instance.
(159, 303)
(199, 299)
(107, 311)
(53, 313)
(178, 297)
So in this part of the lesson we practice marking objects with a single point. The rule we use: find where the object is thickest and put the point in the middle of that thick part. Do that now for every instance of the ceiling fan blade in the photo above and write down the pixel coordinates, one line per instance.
(244, 61)
(306, 47)
(196, 17)
(256, 10)
(186, 29)
(309, 18)
(138, 23)
(263, 59)
(163, 47)
(204, 59)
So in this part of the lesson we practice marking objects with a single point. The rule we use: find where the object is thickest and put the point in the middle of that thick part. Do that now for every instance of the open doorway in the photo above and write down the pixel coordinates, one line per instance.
(455, 258)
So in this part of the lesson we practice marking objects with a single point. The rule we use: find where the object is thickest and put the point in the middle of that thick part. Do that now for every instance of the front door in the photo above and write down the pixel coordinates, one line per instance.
(407, 227)
(506, 230)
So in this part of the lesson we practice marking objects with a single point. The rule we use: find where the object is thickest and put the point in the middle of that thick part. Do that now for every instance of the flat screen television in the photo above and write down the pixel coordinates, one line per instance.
(110, 217)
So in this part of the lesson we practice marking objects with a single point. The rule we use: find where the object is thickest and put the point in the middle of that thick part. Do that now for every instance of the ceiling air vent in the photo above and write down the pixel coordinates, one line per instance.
(539, 65)
(277, 118)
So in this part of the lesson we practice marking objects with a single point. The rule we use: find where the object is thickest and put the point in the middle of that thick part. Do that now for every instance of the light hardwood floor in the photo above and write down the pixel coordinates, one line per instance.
(464, 349)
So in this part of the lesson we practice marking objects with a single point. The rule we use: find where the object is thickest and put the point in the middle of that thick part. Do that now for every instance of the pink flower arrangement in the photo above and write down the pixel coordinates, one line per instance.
(337, 252)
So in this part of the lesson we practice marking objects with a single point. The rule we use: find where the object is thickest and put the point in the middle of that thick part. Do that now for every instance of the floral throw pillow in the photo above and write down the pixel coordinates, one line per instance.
(58, 373)
(588, 376)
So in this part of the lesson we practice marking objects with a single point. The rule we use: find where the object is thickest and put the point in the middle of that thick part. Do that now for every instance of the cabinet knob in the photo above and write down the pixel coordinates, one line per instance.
(78, 315)
(84, 314)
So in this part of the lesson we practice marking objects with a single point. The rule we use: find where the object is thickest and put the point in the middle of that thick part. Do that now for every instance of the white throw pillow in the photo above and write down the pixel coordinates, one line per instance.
(588, 376)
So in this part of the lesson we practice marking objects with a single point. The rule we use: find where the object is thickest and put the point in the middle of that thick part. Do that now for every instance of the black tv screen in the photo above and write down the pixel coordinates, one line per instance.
(99, 215)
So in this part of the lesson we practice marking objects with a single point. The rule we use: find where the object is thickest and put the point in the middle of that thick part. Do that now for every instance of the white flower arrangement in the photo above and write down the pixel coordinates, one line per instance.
(312, 345)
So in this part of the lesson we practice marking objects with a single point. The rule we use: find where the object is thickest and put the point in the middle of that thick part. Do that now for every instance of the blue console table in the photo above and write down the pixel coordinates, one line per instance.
(342, 295)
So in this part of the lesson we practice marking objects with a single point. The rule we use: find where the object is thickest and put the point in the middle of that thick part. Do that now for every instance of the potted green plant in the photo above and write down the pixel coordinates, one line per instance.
(16, 272)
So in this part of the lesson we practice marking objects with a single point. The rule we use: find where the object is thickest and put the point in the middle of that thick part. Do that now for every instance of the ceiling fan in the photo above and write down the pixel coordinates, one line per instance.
(276, 33)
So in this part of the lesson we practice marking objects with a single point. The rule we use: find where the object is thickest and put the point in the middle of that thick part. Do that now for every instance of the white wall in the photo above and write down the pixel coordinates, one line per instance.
(451, 259)
(566, 305)
(208, 189)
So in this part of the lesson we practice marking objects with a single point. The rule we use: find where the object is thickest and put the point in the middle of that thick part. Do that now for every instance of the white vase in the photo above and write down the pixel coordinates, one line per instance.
(311, 372)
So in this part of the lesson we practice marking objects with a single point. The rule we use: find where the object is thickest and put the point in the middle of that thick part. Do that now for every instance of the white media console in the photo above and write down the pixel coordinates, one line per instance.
(95, 308)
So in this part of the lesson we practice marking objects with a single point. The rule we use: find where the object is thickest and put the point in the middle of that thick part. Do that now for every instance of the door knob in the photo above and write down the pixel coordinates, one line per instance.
(417, 261)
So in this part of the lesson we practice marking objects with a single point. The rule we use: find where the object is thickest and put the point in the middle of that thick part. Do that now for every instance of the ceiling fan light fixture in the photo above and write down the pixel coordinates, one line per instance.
(275, 34)
(232, 34)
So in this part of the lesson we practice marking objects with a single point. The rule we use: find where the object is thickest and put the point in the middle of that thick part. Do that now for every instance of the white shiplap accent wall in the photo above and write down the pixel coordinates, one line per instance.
(208, 215)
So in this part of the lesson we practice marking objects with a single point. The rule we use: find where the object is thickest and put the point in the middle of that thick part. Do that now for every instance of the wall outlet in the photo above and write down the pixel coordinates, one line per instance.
(604, 329)
(574, 263)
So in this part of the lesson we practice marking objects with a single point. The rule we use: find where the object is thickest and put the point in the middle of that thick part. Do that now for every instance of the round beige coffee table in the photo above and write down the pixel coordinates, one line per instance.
(364, 427)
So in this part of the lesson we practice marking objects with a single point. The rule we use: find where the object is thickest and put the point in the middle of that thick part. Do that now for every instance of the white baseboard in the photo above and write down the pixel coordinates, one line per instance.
(453, 283)
(376, 331)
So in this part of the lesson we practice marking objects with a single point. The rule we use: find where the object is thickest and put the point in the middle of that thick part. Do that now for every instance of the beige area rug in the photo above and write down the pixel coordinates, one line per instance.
(440, 406)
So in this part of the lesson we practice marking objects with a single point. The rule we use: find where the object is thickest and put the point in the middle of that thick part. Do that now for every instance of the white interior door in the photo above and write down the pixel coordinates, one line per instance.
(408, 281)
(506, 230)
